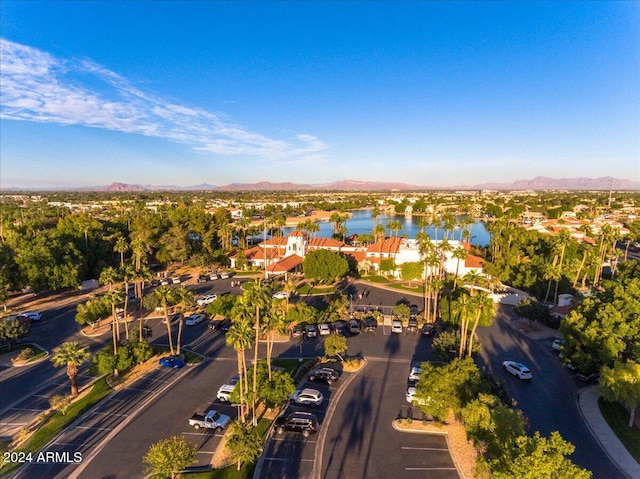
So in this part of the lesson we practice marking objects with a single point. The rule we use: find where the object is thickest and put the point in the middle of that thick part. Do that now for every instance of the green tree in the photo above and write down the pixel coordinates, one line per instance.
(240, 337)
(71, 355)
(402, 311)
(335, 345)
(447, 386)
(243, 443)
(12, 330)
(170, 456)
(492, 425)
(411, 271)
(324, 265)
(166, 296)
(537, 457)
(622, 383)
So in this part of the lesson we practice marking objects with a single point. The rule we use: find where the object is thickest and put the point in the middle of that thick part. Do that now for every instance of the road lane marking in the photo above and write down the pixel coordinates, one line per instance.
(287, 459)
(109, 414)
(291, 439)
(97, 428)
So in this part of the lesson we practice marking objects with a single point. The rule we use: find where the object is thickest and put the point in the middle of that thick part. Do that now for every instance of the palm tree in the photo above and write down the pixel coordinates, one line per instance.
(127, 273)
(185, 298)
(563, 239)
(121, 247)
(460, 254)
(71, 355)
(375, 212)
(166, 298)
(108, 275)
(240, 337)
(114, 297)
(394, 225)
(485, 310)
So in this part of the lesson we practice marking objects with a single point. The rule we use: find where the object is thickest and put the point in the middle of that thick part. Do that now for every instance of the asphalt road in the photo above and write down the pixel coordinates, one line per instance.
(549, 401)
(367, 408)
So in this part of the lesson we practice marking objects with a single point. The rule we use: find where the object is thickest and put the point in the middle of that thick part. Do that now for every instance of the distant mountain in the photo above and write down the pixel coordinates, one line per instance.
(539, 183)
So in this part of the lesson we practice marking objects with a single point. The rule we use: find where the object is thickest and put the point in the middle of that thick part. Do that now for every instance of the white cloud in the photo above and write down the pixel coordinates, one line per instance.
(41, 88)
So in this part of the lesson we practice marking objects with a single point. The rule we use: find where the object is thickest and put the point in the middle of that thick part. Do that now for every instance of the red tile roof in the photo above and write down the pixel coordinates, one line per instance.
(325, 243)
(388, 245)
(287, 264)
(472, 261)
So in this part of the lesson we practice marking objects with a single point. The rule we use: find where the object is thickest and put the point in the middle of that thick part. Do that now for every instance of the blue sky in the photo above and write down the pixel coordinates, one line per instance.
(427, 93)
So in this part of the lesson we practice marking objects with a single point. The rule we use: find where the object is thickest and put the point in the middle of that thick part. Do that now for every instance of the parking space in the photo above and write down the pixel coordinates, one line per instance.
(289, 454)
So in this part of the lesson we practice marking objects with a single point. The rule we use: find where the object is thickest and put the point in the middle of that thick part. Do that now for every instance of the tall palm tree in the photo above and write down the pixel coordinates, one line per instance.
(563, 239)
(166, 297)
(121, 247)
(108, 275)
(114, 297)
(459, 254)
(394, 225)
(485, 309)
(127, 273)
(71, 355)
(375, 212)
(240, 337)
(186, 300)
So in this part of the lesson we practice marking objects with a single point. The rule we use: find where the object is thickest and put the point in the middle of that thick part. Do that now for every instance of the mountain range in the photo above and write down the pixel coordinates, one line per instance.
(539, 183)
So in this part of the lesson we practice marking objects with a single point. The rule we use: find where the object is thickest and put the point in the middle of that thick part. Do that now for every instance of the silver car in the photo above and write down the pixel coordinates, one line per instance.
(307, 397)
(519, 370)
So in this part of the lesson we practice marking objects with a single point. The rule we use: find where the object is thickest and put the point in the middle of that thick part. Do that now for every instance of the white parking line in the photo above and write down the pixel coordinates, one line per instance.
(13, 423)
(95, 413)
(425, 448)
(285, 459)
(96, 428)
(206, 452)
(290, 439)
(429, 468)
(25, 409)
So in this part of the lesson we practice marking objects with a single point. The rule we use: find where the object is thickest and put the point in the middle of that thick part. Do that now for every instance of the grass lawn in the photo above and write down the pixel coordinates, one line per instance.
(58, 422)
(375, 279)
(307, 289)
(618, 418)
(38, 353)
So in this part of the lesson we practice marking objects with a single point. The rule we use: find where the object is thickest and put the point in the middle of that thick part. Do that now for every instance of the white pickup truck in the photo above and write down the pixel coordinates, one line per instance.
(211, 420)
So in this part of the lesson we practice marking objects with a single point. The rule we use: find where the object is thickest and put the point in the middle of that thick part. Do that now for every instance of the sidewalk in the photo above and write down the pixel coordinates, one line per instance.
(611, 445)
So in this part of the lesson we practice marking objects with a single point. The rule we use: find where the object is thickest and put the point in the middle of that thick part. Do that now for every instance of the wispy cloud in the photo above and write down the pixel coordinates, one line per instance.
(39, 87)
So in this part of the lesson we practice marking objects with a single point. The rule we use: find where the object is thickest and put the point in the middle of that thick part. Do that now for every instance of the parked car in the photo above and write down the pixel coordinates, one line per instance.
(224, 276)
(411, 396)
(428, 329)
(176, 280)
(588, 378)
(369, 325)
(324, 329)
(171, 362)
(203, 278)
(220, 325)
(354, 326)
(517, 369)
(211, 420)
(213, 276)
(396, 326)
(172, 318)
(414, 374)
(412, 326)
(557, 344)
(194, 319)
(340, 327)
(224, 392)
(307, 397)
(324, 374)
(298, 330)
(311, 331)
(31, 316)
(147, 332)
(207, 299)
(165, 281)
(281, 295)
(302, 422)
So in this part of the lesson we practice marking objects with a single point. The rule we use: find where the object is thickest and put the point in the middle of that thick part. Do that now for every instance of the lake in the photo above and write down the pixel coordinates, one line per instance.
(361, 223)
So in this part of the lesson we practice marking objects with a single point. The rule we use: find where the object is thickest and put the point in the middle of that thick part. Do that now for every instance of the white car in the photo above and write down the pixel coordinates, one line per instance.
(209, 298)
(224, 276)
(224, 393)
(414, 374)
(324, 329)
(396, 326)
(517, 369)
(280, 295)
(32, 315)
(176, 280)
(307, 397)
(411, 394)
(194, 319)
(557, 344)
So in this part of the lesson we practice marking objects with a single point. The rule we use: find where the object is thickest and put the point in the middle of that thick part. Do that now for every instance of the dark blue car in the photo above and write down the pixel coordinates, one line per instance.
(171, 362)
